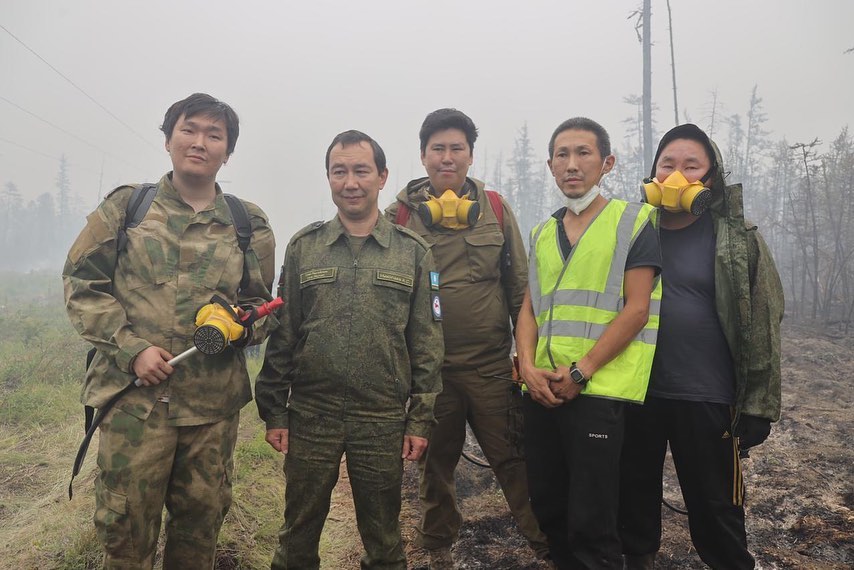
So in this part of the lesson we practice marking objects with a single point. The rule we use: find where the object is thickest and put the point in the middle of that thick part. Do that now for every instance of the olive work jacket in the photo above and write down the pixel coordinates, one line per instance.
(749, 300)
(483, 273)
(148, 294)
(357, 339)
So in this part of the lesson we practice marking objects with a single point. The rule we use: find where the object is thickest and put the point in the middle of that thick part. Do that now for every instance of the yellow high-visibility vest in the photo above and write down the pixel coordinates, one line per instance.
(575, 299)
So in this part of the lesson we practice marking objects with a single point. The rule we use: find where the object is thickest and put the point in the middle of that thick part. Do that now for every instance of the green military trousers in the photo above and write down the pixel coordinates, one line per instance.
(148, 463)
(316, 444)
(492, 407)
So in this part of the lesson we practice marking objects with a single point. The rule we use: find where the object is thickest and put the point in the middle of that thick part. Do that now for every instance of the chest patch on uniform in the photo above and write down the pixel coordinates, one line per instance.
(393, 277)
(434, 280)
(436, 307)
(317, 274)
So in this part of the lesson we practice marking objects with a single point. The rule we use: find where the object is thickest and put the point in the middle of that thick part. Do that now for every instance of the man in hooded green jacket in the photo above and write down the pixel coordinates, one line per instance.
(715, 383)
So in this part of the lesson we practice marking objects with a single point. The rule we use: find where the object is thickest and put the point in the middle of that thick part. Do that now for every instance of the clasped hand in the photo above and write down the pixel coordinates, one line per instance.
(550, 388)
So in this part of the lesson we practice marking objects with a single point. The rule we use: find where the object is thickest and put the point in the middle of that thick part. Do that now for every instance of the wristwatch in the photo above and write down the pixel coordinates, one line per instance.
(577, 375)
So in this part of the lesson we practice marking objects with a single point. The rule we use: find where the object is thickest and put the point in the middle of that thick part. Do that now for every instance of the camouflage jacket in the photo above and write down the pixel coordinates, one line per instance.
(750, 302)
(484, 273)
(175, 261)
(357, 338)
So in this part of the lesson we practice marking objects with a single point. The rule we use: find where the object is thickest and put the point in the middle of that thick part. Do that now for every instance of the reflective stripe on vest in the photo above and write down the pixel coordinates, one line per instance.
(576, 299)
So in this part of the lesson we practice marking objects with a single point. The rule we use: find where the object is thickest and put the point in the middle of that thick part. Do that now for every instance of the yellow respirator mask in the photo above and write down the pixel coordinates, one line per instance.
(449, 211)
(217, 325)
(676, 194)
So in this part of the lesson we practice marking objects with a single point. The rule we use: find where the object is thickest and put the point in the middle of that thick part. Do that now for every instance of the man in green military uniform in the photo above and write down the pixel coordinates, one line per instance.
(170, 441)
(353, 367)
(481, 258)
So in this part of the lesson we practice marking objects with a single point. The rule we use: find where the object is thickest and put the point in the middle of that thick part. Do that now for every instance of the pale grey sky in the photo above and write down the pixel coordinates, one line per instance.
(299, 72)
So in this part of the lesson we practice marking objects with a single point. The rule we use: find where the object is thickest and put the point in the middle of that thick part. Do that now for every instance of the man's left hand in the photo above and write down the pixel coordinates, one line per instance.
(752, 431)
(565, 389)
(413, 447)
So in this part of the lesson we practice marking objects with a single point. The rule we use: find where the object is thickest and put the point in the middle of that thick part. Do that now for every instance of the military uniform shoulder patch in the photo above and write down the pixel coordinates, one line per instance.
(435, 306)
(434, 280)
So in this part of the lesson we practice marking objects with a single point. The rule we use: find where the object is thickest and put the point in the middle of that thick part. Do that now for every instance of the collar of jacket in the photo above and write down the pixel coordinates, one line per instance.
(219, 210)
(381, 233)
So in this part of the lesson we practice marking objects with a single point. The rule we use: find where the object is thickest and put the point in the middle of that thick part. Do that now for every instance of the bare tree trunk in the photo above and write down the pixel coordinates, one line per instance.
(647, 84)
(805, 152)
(714, 114)
(672, 65)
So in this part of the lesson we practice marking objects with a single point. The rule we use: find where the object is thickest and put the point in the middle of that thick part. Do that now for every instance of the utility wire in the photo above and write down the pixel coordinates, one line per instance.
(103, 108)
(40, 153)
(57, 127)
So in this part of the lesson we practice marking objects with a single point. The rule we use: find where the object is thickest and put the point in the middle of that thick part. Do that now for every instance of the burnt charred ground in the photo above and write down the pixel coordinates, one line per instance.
(800, 483)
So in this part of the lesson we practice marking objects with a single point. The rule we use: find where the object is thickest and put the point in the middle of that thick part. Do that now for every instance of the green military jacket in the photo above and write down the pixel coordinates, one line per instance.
(357, 339)
(749, 300)
(484, 274)
(148, 295)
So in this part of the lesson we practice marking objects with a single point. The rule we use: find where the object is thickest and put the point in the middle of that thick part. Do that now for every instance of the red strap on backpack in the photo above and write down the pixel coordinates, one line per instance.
(494, 200)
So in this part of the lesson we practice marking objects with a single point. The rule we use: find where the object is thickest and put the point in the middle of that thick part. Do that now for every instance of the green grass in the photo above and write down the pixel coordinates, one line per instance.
(41, 425)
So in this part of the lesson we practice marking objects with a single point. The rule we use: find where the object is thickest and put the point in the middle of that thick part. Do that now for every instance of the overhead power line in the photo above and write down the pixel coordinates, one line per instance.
(57, 127)
(44, 154)
(102, 107)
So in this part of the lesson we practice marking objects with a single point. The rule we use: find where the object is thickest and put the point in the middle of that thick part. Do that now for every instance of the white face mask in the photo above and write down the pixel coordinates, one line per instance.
(578, 205)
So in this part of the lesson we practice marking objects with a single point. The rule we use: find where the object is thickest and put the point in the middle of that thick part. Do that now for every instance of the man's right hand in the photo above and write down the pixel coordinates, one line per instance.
(278, 439)
(537, 381)
(151, 365)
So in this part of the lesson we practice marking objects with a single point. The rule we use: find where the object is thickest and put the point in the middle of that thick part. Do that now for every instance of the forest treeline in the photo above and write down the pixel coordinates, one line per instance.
(799, 193)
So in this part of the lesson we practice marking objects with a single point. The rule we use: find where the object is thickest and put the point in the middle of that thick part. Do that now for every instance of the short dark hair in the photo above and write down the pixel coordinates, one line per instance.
(444, 119)
(203, 104)
(603, 141)
(352, 137)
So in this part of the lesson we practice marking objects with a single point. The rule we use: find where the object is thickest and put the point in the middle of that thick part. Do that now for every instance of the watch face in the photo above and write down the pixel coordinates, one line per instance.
(576, 375)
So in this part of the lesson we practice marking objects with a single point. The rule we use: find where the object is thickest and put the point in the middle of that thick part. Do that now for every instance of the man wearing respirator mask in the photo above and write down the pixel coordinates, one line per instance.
(715, 383)
(481, 262)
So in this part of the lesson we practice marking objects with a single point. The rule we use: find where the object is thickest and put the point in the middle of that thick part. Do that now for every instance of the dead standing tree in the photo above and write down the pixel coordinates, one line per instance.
(643, 29)
(810, 262)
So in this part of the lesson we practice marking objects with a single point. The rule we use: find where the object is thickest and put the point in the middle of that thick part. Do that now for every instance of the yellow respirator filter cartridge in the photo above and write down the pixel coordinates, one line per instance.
(216, 327)
(450, 211)
(676, 194)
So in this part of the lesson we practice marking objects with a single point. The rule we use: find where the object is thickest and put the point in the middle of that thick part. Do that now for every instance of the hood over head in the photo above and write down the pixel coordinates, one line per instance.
(726, 200)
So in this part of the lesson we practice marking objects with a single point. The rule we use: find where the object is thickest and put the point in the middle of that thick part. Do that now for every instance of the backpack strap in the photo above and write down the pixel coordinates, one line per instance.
(243, 229)
(240, 217)
(495, 202)
(402, 214)
(139, 203)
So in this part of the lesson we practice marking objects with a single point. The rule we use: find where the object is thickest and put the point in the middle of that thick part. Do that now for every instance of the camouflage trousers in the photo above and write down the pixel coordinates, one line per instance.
(375, 469)
(146, 464)
(493, 408)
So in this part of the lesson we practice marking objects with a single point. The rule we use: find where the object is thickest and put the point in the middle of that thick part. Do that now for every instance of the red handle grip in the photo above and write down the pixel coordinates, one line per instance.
(263, 310)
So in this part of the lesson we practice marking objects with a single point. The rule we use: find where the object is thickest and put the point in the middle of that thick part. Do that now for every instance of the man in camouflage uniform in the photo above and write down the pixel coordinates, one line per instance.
(353, 367)
(484, 275)
(715, 383)
(170, 441)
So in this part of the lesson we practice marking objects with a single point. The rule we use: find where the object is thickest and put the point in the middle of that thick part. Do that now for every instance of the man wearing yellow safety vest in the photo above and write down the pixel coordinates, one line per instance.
(585, 338)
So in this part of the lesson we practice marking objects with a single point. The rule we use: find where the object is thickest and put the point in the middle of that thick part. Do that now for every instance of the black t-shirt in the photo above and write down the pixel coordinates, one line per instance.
(692, 358)
(645, 252)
